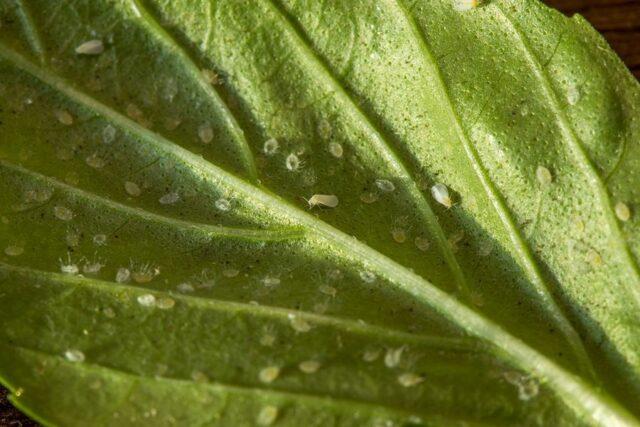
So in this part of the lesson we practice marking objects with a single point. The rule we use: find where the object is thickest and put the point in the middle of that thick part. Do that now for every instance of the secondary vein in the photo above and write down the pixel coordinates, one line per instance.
(205, 229)
(157, 31)
(30, 30)
(436, 343)
(347, 404)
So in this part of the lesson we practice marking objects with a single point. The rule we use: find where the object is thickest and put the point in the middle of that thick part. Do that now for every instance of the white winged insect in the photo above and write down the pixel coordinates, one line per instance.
(323, 200)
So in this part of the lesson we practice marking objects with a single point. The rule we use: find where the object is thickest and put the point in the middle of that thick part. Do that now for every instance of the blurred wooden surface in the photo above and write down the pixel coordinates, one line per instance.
(617, 20)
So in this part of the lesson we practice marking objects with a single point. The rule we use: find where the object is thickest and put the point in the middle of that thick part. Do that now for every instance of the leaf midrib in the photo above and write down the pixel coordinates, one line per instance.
(578, 394)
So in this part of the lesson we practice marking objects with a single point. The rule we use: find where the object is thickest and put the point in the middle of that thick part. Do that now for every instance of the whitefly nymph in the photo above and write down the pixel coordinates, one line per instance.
(91, 47)
(440, 193)
(464, 5)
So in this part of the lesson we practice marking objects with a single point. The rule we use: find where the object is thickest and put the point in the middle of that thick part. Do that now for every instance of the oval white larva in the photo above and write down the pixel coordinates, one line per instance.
(464, 5)
(91, 47)
(440, 192)
(293, 162)
(385, 185)
(205, 133)
(543, 175)
(271, 146)
(623, 212)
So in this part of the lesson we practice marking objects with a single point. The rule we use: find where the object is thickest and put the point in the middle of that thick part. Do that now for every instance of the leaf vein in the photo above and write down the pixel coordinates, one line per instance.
(30, 30)
(350, 404)
(522, 249)
(461, 344)
(581, 157)
(209, 230)
(196, 74)
(380, 143)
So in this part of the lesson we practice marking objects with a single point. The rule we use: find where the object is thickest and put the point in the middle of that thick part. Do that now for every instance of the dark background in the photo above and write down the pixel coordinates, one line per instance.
(617, 20)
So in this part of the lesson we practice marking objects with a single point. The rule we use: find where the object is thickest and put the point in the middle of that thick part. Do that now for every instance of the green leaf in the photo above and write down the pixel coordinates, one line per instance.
(168, 257)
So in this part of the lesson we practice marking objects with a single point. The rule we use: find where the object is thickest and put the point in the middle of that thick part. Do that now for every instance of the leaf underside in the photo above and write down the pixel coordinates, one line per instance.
(168, 259)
